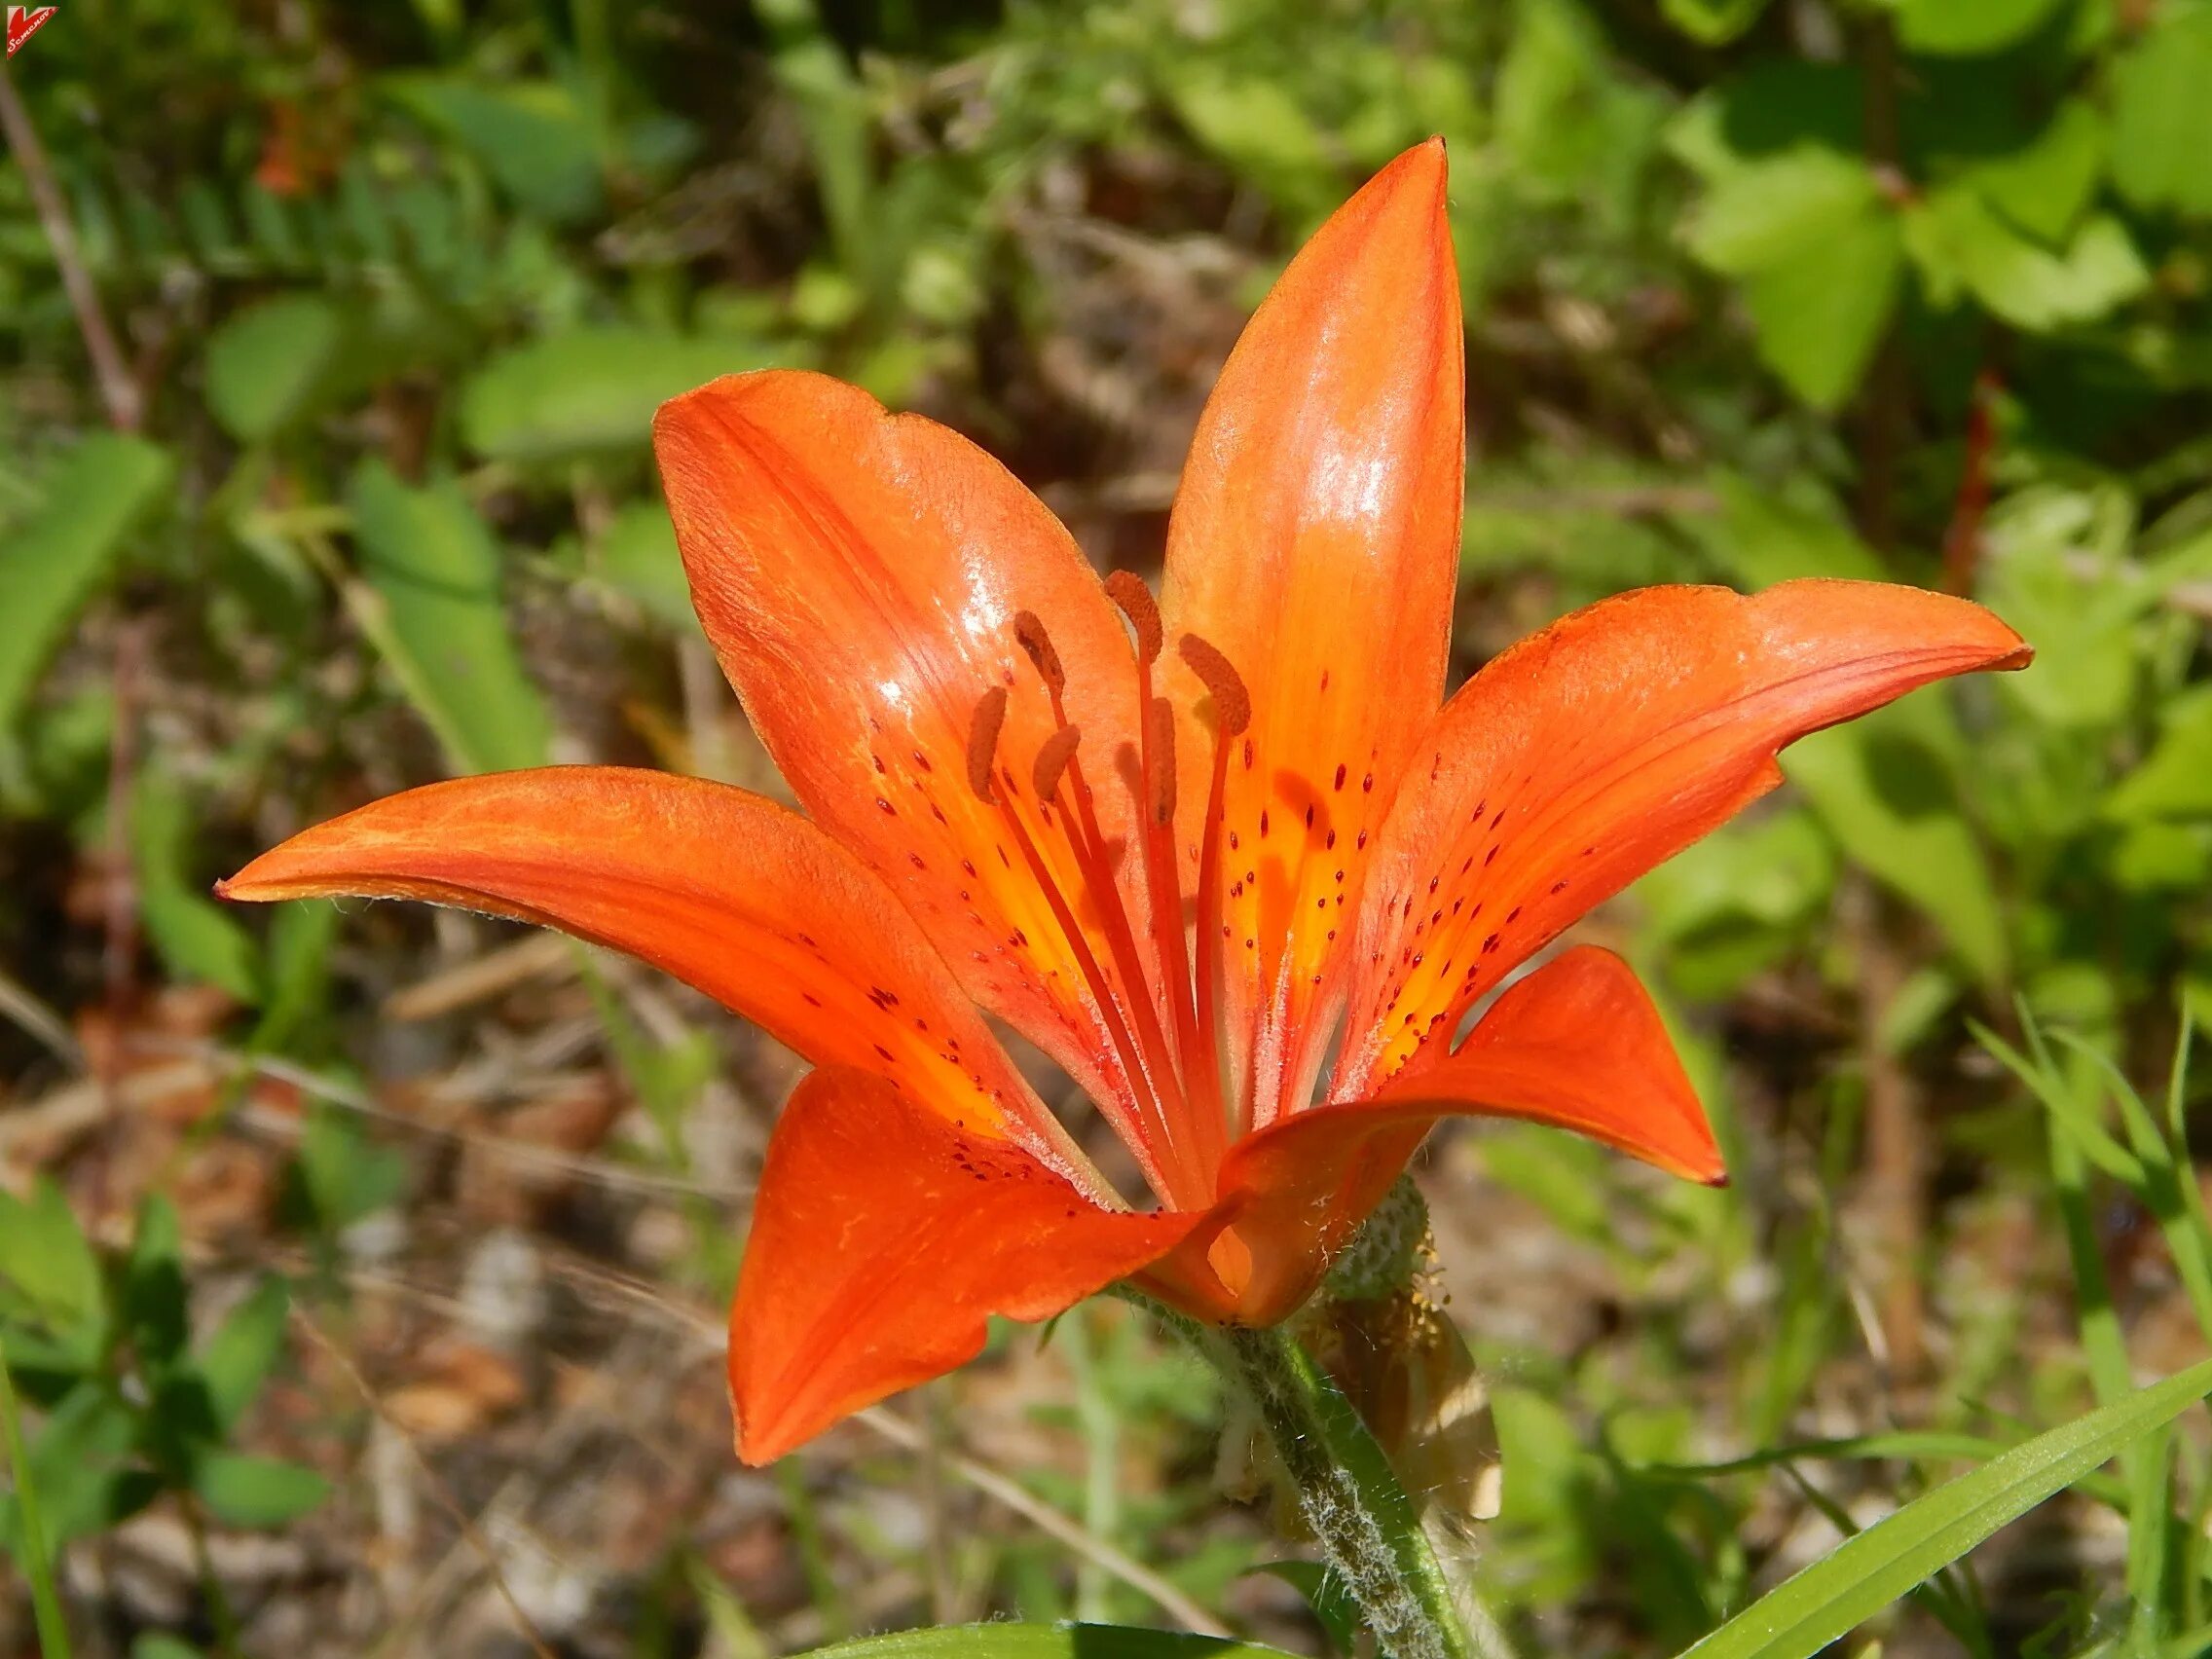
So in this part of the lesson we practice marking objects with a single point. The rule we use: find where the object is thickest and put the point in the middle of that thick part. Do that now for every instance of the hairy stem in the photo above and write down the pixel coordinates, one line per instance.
(1359, 1514)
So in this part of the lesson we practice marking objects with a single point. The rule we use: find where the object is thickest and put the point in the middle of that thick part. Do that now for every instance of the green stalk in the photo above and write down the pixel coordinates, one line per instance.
(45, 1600)
(1348, 1497)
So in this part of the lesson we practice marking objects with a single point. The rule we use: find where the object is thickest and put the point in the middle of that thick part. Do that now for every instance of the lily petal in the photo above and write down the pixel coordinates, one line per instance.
(882, 1239)
(1314, 541)
(1591, 752)
(730, 893)
(1577, 1044)
(860, 575)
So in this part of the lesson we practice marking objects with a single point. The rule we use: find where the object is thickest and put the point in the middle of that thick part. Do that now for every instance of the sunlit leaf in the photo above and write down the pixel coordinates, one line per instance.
(434, 566)
(51, 565)
(2161, 118)
(244, 1491)
(1967, 27)
(264, 362)
(591, 390)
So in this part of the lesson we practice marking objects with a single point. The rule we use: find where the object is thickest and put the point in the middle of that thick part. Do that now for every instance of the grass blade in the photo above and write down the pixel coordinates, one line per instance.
(1047, 1641)
(45, 1600)
(1870, 1572)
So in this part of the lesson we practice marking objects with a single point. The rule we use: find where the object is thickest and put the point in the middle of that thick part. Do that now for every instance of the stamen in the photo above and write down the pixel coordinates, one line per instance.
(1233, 716)
(1129, 591)
(1029, 631)
(1232, 703)
(1052, 761)
(983, 741)
(1159, 760)
(1167, 1163)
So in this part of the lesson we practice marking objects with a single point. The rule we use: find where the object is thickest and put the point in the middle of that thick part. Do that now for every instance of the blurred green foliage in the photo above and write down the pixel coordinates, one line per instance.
(1908, 289)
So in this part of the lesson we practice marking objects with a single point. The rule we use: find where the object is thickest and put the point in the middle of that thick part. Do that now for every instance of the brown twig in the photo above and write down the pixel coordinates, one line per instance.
(119, 391)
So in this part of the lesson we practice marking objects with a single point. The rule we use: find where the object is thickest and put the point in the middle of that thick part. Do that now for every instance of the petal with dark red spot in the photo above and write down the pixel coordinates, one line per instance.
(883, 1239)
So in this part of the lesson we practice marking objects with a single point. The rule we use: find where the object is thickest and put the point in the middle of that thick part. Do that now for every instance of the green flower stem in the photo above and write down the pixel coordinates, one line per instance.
(1346, 1492)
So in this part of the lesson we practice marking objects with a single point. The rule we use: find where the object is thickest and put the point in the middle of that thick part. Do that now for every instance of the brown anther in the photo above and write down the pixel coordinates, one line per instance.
(983, 741)
(1052, 761)
(1160, 756)
(1029, 631)
(1129, 591)
(1232, 703)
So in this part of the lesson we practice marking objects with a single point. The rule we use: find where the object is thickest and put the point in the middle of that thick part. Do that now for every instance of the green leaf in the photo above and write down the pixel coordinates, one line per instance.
(53, 563)
(1712, 22)
(1868, 1573)
(197, 938)
(591, 392)
(636, 555)
(345, 1174)
(46, 1260)
(1258, 127)
(2175, 779)
(812, 67)
(266, 362)
(1884, 788)
(1764, 213)
(1758, 538)
(155, 1299)
(237, 1360)
(442, 623)
(244, 1491)
(1958, 241)
(1042, 1642)
(528, 135)
(1964, 28)
(153, 1645)
(1821, 313)
(2161, 127)
(2042, 187)
(83, 1463)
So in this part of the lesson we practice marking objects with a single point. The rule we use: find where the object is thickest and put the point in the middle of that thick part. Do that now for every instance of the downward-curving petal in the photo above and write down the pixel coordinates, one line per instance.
(1314, 540)
(860, 575)
(883, 1237)
(1576, 1044)
(730, 893)
(1595, 749)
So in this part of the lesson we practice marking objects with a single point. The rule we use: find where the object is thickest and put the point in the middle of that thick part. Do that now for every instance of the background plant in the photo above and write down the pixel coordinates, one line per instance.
(341, 483)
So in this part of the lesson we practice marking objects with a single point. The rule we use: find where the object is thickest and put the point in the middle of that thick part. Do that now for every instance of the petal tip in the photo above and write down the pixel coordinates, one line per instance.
(1423, 169)
(756, 1449)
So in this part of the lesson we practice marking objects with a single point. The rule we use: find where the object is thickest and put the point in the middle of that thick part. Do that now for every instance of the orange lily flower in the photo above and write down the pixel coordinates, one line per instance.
(1177, 872)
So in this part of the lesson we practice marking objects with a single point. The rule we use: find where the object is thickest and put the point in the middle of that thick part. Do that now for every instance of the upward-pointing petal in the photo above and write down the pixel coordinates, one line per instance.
(1315, 543)
(860, 574)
